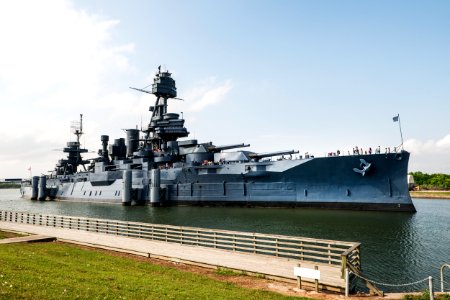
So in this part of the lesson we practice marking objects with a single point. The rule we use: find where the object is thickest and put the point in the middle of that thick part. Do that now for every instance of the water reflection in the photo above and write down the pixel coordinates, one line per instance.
(396, 247)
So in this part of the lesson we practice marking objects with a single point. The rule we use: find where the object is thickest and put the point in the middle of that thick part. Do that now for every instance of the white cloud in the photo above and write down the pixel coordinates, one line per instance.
(430, 156)
(51, 46)
(428, 147)
(56, 61)
(207, 93)
(444, 143)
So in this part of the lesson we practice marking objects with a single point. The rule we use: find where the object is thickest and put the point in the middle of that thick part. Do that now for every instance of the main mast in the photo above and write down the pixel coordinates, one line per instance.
(70, 164)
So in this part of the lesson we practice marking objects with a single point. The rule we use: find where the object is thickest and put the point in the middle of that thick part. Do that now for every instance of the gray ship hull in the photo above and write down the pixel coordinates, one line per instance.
(159, 169)
(329, 182)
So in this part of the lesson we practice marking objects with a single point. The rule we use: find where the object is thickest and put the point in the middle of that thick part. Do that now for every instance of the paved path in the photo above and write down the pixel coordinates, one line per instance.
(281, 268)
(28, 239)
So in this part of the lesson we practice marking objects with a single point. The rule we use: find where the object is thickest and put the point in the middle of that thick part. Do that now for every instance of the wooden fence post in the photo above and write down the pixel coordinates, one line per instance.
(347, 284)
(316, 280)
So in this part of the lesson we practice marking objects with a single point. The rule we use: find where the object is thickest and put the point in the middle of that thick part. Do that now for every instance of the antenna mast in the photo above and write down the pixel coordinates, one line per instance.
(79, 131)
(77, 128)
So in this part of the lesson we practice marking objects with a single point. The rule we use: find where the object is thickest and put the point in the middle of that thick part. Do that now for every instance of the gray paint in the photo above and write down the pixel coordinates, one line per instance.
(162, 170)
(127, 186)
(42, 188)
(155, 186)
(34, 187)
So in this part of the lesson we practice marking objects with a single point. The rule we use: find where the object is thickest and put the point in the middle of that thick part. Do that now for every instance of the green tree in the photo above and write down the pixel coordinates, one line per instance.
(431, 181)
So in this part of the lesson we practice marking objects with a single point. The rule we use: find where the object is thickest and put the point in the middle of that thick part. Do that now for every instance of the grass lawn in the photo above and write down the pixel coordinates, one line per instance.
(64, 271)
(7, 235)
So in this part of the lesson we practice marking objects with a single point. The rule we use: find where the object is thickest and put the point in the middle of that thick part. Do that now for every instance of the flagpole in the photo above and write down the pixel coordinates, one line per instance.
(400, 127)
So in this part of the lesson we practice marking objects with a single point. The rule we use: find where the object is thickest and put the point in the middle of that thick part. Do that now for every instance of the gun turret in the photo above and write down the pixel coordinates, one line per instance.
(213, 148)
(258, 156)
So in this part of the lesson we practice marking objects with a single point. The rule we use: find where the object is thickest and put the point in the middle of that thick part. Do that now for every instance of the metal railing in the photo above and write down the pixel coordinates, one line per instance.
(330, 252)
(442, 275)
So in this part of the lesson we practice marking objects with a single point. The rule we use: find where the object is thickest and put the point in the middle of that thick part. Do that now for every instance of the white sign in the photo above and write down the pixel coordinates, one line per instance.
(307, 273)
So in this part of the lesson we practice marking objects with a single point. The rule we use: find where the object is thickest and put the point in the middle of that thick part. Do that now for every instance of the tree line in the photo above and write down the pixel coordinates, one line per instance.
(9, 185)
(431, 181)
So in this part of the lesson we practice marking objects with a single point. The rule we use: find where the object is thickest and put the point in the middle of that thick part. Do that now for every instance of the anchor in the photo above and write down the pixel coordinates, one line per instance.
(364, 165)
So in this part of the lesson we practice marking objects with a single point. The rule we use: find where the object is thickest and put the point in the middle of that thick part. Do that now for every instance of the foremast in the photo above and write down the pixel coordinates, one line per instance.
(163, 127)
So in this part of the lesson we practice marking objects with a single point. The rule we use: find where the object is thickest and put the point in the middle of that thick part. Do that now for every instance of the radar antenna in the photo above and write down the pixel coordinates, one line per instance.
(77, 128)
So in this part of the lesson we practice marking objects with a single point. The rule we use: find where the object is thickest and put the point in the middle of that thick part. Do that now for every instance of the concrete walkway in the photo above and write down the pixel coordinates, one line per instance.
(272, 267)
(28, 239)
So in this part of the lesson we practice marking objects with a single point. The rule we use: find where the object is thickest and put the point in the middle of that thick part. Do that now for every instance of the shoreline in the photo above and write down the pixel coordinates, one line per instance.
(430, 194)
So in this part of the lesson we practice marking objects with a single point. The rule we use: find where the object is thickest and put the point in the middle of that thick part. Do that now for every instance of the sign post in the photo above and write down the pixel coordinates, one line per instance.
(317, 278)
(299, 279)
(307, 273)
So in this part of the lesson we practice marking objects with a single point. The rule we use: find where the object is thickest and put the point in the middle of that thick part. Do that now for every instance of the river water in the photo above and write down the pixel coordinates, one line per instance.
(396, 248)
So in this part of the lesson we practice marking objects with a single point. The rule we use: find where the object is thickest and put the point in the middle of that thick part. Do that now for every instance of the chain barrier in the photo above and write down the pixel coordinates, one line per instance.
(446, 283)
(390, 284)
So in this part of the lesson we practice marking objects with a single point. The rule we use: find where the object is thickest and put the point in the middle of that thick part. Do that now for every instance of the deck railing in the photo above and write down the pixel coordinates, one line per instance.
(304, 249)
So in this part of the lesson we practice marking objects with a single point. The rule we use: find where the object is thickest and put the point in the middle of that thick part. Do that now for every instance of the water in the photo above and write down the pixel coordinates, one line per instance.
(396, 247)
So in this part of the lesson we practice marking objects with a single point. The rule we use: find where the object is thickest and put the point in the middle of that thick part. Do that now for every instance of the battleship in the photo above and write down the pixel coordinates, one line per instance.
(159, 165)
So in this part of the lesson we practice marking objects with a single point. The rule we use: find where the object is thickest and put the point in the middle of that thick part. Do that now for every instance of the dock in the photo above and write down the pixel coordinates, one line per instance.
(273, 256)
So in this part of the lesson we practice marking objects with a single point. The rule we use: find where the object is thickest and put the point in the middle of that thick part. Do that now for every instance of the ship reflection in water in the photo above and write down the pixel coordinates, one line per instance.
(396, 247)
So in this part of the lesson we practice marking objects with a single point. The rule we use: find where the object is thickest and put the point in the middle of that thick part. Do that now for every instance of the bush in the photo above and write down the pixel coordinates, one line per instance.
(9, 185)
(431, 181)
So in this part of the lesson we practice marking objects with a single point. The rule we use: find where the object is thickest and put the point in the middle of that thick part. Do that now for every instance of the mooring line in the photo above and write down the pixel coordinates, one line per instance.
(390, 284)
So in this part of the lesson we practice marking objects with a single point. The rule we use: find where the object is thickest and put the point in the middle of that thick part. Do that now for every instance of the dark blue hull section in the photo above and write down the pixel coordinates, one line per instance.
(329, 182)
(363, 182)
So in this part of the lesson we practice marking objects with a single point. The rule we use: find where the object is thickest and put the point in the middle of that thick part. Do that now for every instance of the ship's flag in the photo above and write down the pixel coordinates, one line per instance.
(395, 119)
(29, 169)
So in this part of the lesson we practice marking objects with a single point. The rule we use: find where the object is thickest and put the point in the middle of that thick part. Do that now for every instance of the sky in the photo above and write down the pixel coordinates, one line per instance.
(314, 76)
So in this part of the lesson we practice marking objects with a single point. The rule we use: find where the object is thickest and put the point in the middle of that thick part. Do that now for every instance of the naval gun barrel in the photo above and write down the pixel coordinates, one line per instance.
(226, 147)
(270, 154)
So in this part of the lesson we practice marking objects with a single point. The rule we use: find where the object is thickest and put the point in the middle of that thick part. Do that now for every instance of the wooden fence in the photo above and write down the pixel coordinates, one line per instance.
(336, 253)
